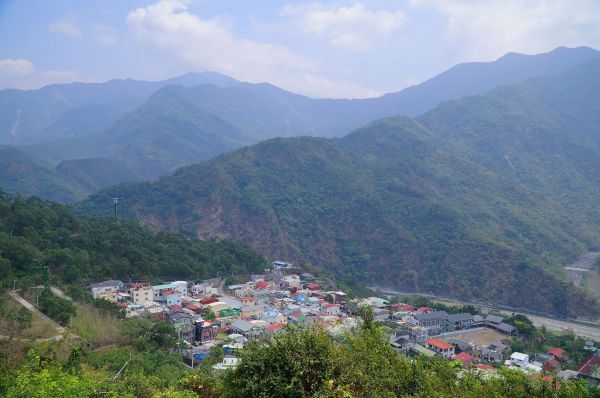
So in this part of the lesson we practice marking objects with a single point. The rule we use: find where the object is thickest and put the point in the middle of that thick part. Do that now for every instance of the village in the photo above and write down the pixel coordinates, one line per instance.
(209, 314)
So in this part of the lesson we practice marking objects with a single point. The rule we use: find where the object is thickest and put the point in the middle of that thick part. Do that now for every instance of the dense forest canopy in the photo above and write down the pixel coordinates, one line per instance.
(38, 238)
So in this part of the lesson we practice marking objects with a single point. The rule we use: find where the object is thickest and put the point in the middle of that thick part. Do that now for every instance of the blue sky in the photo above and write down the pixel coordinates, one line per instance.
(321, 49)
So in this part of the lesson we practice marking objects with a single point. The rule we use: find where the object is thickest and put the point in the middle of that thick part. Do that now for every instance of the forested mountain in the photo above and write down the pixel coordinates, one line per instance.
(67, 110)
(37, 237)
(481, 198)
(178, 126)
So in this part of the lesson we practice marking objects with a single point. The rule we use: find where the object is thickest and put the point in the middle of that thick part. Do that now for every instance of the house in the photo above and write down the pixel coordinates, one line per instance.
(418, 349)
(558, 353)
(381, 314)
(182, 322)
(272, 316)
(331, 309)
(181, 287)
(281, 264)
(204, 331)
(106, 290)
(229, 362)
(495, 352)
(203, 289)
(216, 307)
(441, 347)
(290, 282)
(105, 293)
(252, 311)
(519, 359)
(551, 365)
(466, 359)
(460, 321)
(141, 292)
(590, 370)
(497, 322)
(313, 287)
(435, 322)
(376, 302)
(249, 330)
(169, 297)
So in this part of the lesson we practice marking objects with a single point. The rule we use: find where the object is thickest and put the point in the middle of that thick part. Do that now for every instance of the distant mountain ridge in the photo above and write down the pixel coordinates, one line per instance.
(482, 198)
(204, 115)
(66, 110)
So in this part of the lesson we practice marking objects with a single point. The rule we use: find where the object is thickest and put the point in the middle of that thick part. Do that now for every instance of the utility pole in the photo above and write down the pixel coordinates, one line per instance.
(14, 288)
(115, 202)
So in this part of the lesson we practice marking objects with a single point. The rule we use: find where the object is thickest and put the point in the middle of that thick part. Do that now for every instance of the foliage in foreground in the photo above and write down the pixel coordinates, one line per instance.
(299, 363)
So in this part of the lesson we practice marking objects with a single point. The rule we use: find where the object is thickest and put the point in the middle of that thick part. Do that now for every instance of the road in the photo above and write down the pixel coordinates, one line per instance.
(586, 330)
(34, 310)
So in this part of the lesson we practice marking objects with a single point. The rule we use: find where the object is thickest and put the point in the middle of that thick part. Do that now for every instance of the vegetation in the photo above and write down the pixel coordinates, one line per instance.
(368, 208)
(39, 239)
(299, 363)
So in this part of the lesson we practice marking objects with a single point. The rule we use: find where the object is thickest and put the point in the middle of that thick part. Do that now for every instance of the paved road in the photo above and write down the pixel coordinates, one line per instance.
(582, 329)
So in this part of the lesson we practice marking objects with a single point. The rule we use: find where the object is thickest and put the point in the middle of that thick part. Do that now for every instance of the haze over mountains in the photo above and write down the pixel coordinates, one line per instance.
(482, 197)
(90, 136)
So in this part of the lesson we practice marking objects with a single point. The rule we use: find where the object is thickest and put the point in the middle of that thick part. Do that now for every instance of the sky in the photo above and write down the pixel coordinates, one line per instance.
(339, 49)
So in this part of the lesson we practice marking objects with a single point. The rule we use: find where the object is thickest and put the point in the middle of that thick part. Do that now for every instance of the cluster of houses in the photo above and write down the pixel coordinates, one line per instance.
(423, 331)
(205, 314)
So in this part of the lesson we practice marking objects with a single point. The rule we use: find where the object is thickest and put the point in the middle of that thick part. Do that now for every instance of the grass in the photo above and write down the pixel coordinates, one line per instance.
(40, 329)
(97, 328)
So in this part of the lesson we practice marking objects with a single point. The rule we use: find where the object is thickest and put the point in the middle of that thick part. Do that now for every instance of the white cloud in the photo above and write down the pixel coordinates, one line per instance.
(15, 67)
(352, 27)
(66, 26)
(22, 74)
(489, 28)
(209, 44)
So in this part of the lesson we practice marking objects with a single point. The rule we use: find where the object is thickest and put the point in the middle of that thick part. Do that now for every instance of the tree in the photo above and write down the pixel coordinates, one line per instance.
(299, 363)
(57, 308)
(163, 335)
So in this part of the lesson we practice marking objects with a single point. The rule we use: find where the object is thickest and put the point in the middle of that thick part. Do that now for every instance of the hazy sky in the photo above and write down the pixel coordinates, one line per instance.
(322, 49)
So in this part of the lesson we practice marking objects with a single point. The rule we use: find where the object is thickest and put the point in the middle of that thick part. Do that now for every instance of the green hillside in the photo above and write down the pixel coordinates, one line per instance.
(194, 121)
(38, 236)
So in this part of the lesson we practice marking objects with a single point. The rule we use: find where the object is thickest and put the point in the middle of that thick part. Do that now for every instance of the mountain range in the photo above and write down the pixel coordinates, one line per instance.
(87, 136)
(480, 198)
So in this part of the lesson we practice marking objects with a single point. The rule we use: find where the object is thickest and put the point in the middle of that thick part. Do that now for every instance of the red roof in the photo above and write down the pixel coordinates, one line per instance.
(550, 365)
(440, 344)
(138, 284)
(483, 366)
(275, 326)
(169, 292)
(329, 305)
(208, 300)
(262, 285)
(424, 309)
(407, 307)
(176, 307)
(557, 352)
(313, 286)
(464, 357)
(193, 307)
(588, 366)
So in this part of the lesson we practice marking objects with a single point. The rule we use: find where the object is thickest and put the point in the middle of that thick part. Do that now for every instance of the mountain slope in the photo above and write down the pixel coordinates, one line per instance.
(67, 110)
(178, 126)
(37, 237)
(386, 205)
(25, 173)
